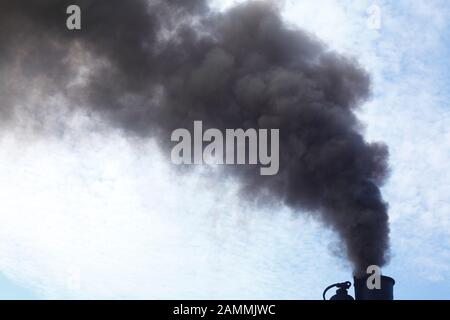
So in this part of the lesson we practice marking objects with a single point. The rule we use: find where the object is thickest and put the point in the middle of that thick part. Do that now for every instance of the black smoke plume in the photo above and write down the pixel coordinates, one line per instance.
(154, 66)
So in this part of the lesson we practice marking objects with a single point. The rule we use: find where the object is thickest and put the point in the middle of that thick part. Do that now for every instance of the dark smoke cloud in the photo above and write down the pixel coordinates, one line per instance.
(159, 65)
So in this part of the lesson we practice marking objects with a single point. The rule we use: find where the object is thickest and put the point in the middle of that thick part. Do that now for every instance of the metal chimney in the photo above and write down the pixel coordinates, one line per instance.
(362, 291)
(386, 291)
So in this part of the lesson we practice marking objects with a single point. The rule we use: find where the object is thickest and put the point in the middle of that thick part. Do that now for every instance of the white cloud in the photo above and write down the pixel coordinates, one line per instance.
(95, 216)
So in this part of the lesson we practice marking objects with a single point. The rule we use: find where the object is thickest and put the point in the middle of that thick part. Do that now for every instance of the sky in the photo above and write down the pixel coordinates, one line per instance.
(92, 214)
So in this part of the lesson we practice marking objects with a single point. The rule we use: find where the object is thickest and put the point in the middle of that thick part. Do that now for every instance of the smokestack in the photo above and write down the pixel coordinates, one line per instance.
(362, 289)
(385, 292)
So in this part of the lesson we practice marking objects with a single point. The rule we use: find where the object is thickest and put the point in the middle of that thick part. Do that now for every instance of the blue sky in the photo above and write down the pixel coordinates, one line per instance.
(11, 290)
(111, 220)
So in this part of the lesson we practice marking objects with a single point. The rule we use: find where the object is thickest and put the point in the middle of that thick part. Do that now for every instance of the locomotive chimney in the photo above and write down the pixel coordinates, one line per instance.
(385, 292)
(362, 290)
